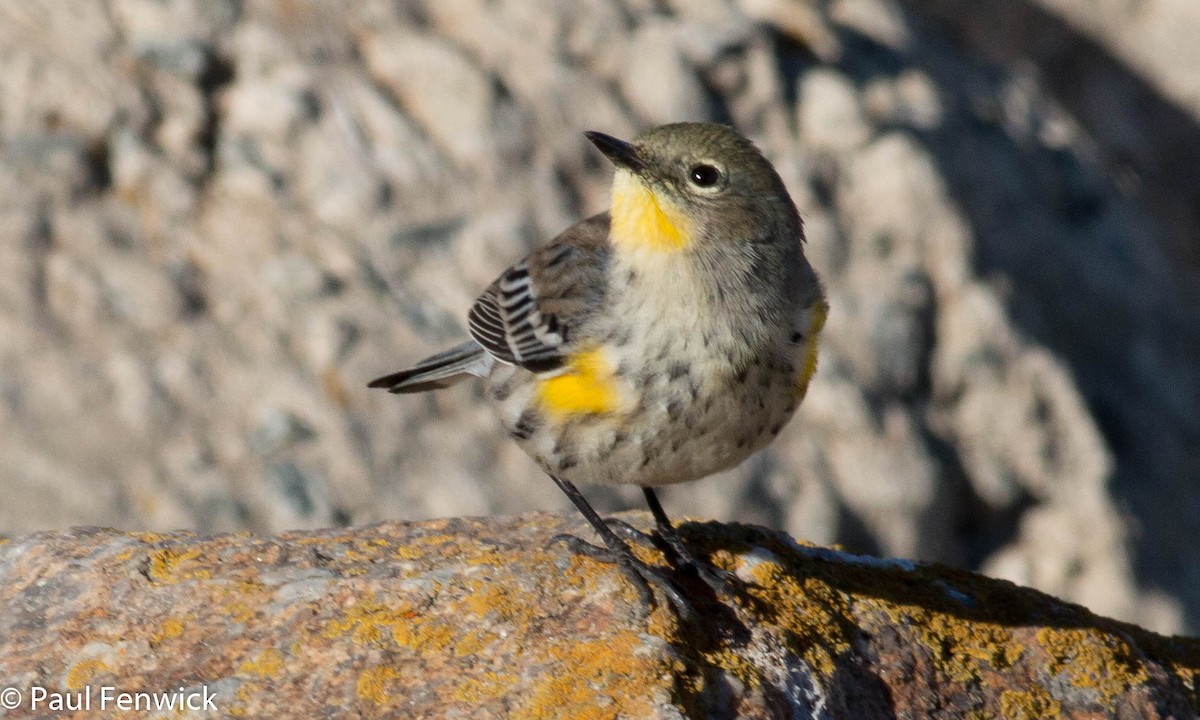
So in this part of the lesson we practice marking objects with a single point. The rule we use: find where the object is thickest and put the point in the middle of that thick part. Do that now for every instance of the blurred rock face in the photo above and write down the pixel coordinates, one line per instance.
(221, 219)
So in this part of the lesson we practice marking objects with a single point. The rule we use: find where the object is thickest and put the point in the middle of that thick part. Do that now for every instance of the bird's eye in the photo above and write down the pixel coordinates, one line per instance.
(704, 175)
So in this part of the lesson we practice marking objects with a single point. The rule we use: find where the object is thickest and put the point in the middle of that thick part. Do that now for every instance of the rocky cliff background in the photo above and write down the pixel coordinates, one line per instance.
(219, 219)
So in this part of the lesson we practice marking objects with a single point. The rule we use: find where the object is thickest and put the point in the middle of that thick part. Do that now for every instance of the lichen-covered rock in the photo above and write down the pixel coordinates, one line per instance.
(478, 618)
(219, 219)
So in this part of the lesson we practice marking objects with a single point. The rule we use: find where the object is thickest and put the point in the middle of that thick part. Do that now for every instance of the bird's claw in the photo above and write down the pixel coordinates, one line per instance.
(640, 574)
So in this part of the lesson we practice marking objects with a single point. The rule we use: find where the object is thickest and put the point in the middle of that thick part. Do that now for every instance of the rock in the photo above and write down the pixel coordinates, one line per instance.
(216, 211)
(488, 618)
(659, 83)
(441, 89)
(829, 113)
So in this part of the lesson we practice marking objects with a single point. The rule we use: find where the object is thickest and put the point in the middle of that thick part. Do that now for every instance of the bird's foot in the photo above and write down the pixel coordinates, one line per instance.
(650, 541)
(722, 582)
(640, 574)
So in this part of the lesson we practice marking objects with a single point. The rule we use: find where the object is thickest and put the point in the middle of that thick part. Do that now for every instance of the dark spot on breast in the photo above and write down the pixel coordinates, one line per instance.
(797, 337)
(678, 370)
(631, 277)
(619, 438)
(645, 459)
(741, 376)
(675, 445)
(776, 428)
(501, 391)
(694, 389)
(567, 462)
(526, 425)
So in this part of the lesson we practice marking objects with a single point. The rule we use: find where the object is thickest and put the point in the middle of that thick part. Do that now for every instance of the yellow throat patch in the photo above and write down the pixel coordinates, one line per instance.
(640, 221)
(808, 364)
(586, 388)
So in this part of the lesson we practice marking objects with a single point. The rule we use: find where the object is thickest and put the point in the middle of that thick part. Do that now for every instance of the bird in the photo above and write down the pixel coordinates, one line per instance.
(659, 342)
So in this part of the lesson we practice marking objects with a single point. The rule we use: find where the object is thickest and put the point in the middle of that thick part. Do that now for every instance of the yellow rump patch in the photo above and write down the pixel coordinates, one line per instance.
(809, 364)
(639, 220)
(586, 388)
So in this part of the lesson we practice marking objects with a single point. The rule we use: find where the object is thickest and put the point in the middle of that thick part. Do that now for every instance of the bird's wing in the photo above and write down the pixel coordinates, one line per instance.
(535, 311)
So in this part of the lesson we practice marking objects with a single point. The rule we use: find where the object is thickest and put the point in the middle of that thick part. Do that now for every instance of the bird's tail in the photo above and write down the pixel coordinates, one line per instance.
(438, 371)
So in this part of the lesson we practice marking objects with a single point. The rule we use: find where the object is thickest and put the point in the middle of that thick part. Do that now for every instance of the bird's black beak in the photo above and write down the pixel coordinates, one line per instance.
(622, 154)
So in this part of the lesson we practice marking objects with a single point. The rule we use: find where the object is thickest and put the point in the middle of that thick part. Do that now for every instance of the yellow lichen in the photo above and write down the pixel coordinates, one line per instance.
(480, 688)
(269, 663)
(377, 624)
(814, 618)
(372, 684)
(165, 565)
(961, 649)
(83, 671)
(1092, 659)
(244, 695)
(410, 552)
(1035, 703)
(602, 679)
(171, 628)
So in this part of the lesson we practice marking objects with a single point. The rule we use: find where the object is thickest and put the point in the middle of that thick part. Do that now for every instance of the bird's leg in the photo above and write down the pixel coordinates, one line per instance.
(721, 581)
(617, 551)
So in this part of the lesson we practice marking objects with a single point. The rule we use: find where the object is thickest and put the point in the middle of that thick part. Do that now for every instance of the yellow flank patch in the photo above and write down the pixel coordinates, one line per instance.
(809, 364)
(639, 220)
(586, 388)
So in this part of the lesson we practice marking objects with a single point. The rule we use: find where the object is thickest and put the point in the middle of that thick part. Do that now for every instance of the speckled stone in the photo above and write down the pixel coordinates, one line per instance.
(487, 618)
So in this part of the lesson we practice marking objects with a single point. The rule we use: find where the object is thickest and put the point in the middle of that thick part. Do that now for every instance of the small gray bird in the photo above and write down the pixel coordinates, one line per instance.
(657, 343)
